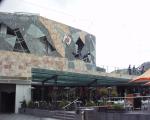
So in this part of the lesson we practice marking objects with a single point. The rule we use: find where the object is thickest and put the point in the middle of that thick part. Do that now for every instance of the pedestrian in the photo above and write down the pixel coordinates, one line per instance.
(134, 70)
(142, 69)
(129, 69)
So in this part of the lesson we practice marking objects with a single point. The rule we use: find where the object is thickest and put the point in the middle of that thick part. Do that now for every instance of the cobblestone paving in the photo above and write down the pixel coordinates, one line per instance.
(21, 117)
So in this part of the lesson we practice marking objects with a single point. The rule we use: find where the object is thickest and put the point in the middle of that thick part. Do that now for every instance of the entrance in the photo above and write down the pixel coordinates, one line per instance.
(7, 98)
(7, 102)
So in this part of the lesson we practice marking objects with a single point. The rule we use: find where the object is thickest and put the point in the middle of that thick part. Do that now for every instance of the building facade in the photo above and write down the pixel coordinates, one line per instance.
(30, 41)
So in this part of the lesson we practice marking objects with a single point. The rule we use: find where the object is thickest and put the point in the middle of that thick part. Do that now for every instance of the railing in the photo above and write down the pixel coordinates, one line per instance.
(68, 105)
(120, 70)
(143, 101)
(110, 69)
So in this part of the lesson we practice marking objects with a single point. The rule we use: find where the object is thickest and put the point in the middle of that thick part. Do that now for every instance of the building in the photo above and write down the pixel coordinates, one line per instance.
(30, 41)
(37, 51)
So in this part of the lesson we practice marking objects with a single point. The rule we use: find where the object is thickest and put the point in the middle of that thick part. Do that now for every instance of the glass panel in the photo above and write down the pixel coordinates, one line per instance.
(18, 47)
(20, 43)
(80, 44)
(10, 31)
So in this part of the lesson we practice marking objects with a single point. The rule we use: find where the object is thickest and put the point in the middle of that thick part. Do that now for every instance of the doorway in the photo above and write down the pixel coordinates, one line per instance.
(7, 102)
(7, 98)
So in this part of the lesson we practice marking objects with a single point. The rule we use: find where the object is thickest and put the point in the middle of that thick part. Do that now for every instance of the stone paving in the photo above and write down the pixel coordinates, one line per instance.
(21, 117)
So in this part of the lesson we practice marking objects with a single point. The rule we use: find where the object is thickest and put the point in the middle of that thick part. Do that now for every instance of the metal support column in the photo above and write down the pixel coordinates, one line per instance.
(42, 90)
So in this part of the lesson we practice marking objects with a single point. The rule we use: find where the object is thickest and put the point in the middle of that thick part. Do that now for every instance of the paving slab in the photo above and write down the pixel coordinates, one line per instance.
(21, 117)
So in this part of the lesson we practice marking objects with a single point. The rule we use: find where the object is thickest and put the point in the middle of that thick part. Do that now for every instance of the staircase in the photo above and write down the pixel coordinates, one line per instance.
(65, 115)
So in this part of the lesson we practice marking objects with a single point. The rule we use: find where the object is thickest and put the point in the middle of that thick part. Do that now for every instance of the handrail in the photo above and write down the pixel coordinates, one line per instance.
(70, 103)
(130, 97)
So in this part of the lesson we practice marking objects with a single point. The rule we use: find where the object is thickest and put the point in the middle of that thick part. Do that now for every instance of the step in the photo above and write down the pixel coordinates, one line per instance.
(63, 118)
(65, 115)
(69, 112)
(49, 119)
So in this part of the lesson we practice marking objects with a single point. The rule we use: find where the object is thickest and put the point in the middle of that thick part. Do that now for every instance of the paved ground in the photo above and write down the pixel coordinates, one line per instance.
(21, 117)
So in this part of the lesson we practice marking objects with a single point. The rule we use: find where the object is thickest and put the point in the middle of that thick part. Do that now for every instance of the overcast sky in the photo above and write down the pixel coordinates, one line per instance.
(121, 27)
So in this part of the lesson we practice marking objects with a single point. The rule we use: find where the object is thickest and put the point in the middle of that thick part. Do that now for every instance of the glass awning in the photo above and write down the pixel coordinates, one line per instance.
(64, 78)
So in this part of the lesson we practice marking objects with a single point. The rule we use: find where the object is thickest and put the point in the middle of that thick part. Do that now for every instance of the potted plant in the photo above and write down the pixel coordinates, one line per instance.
(62, 104)
(23, 104)
(30, 104)
(116, 108)
(90, 103)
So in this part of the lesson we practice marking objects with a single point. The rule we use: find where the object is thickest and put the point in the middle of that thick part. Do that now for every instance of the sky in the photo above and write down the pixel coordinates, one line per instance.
(121, 27)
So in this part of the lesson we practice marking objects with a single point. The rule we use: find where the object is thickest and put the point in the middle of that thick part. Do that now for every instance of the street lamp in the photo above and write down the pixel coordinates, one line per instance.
(67, 88)
(109, 91)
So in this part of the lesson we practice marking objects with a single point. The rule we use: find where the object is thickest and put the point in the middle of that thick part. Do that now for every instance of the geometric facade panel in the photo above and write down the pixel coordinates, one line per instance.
(40, 36)
(90, 42)
(75, 37)
(35, 45)
(35, 32)
(20, 44)
(11, 40)
(4, 45)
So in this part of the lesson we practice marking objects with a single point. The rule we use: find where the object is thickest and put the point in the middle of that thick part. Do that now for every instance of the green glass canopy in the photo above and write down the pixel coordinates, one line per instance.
(64, 78)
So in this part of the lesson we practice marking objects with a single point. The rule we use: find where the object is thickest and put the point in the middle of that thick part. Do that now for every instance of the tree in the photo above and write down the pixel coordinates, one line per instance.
(103, 92)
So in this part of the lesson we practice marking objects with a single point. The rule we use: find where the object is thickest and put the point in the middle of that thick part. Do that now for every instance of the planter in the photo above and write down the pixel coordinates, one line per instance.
(102, 108)
(21, 110)
(37, 112)
(47, 113)
(115, 110)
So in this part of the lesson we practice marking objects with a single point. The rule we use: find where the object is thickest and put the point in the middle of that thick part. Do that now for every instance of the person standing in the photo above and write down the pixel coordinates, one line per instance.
(134, 70)
(129, 69)
(142, 69)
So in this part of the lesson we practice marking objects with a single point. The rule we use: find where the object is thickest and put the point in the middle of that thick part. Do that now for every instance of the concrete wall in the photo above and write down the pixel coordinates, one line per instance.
(94, 115)
(15, 64)
(23, 92)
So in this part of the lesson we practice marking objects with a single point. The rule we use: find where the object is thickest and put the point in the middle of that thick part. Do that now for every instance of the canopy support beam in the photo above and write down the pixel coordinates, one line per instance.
(93, 82)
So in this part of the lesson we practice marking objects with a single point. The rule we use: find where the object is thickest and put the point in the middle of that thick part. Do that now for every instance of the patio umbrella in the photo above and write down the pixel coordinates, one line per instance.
(147, 84)
(145, 77)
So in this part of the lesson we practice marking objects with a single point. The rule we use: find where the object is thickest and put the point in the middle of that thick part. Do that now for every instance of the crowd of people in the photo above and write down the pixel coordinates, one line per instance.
(135, 71)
